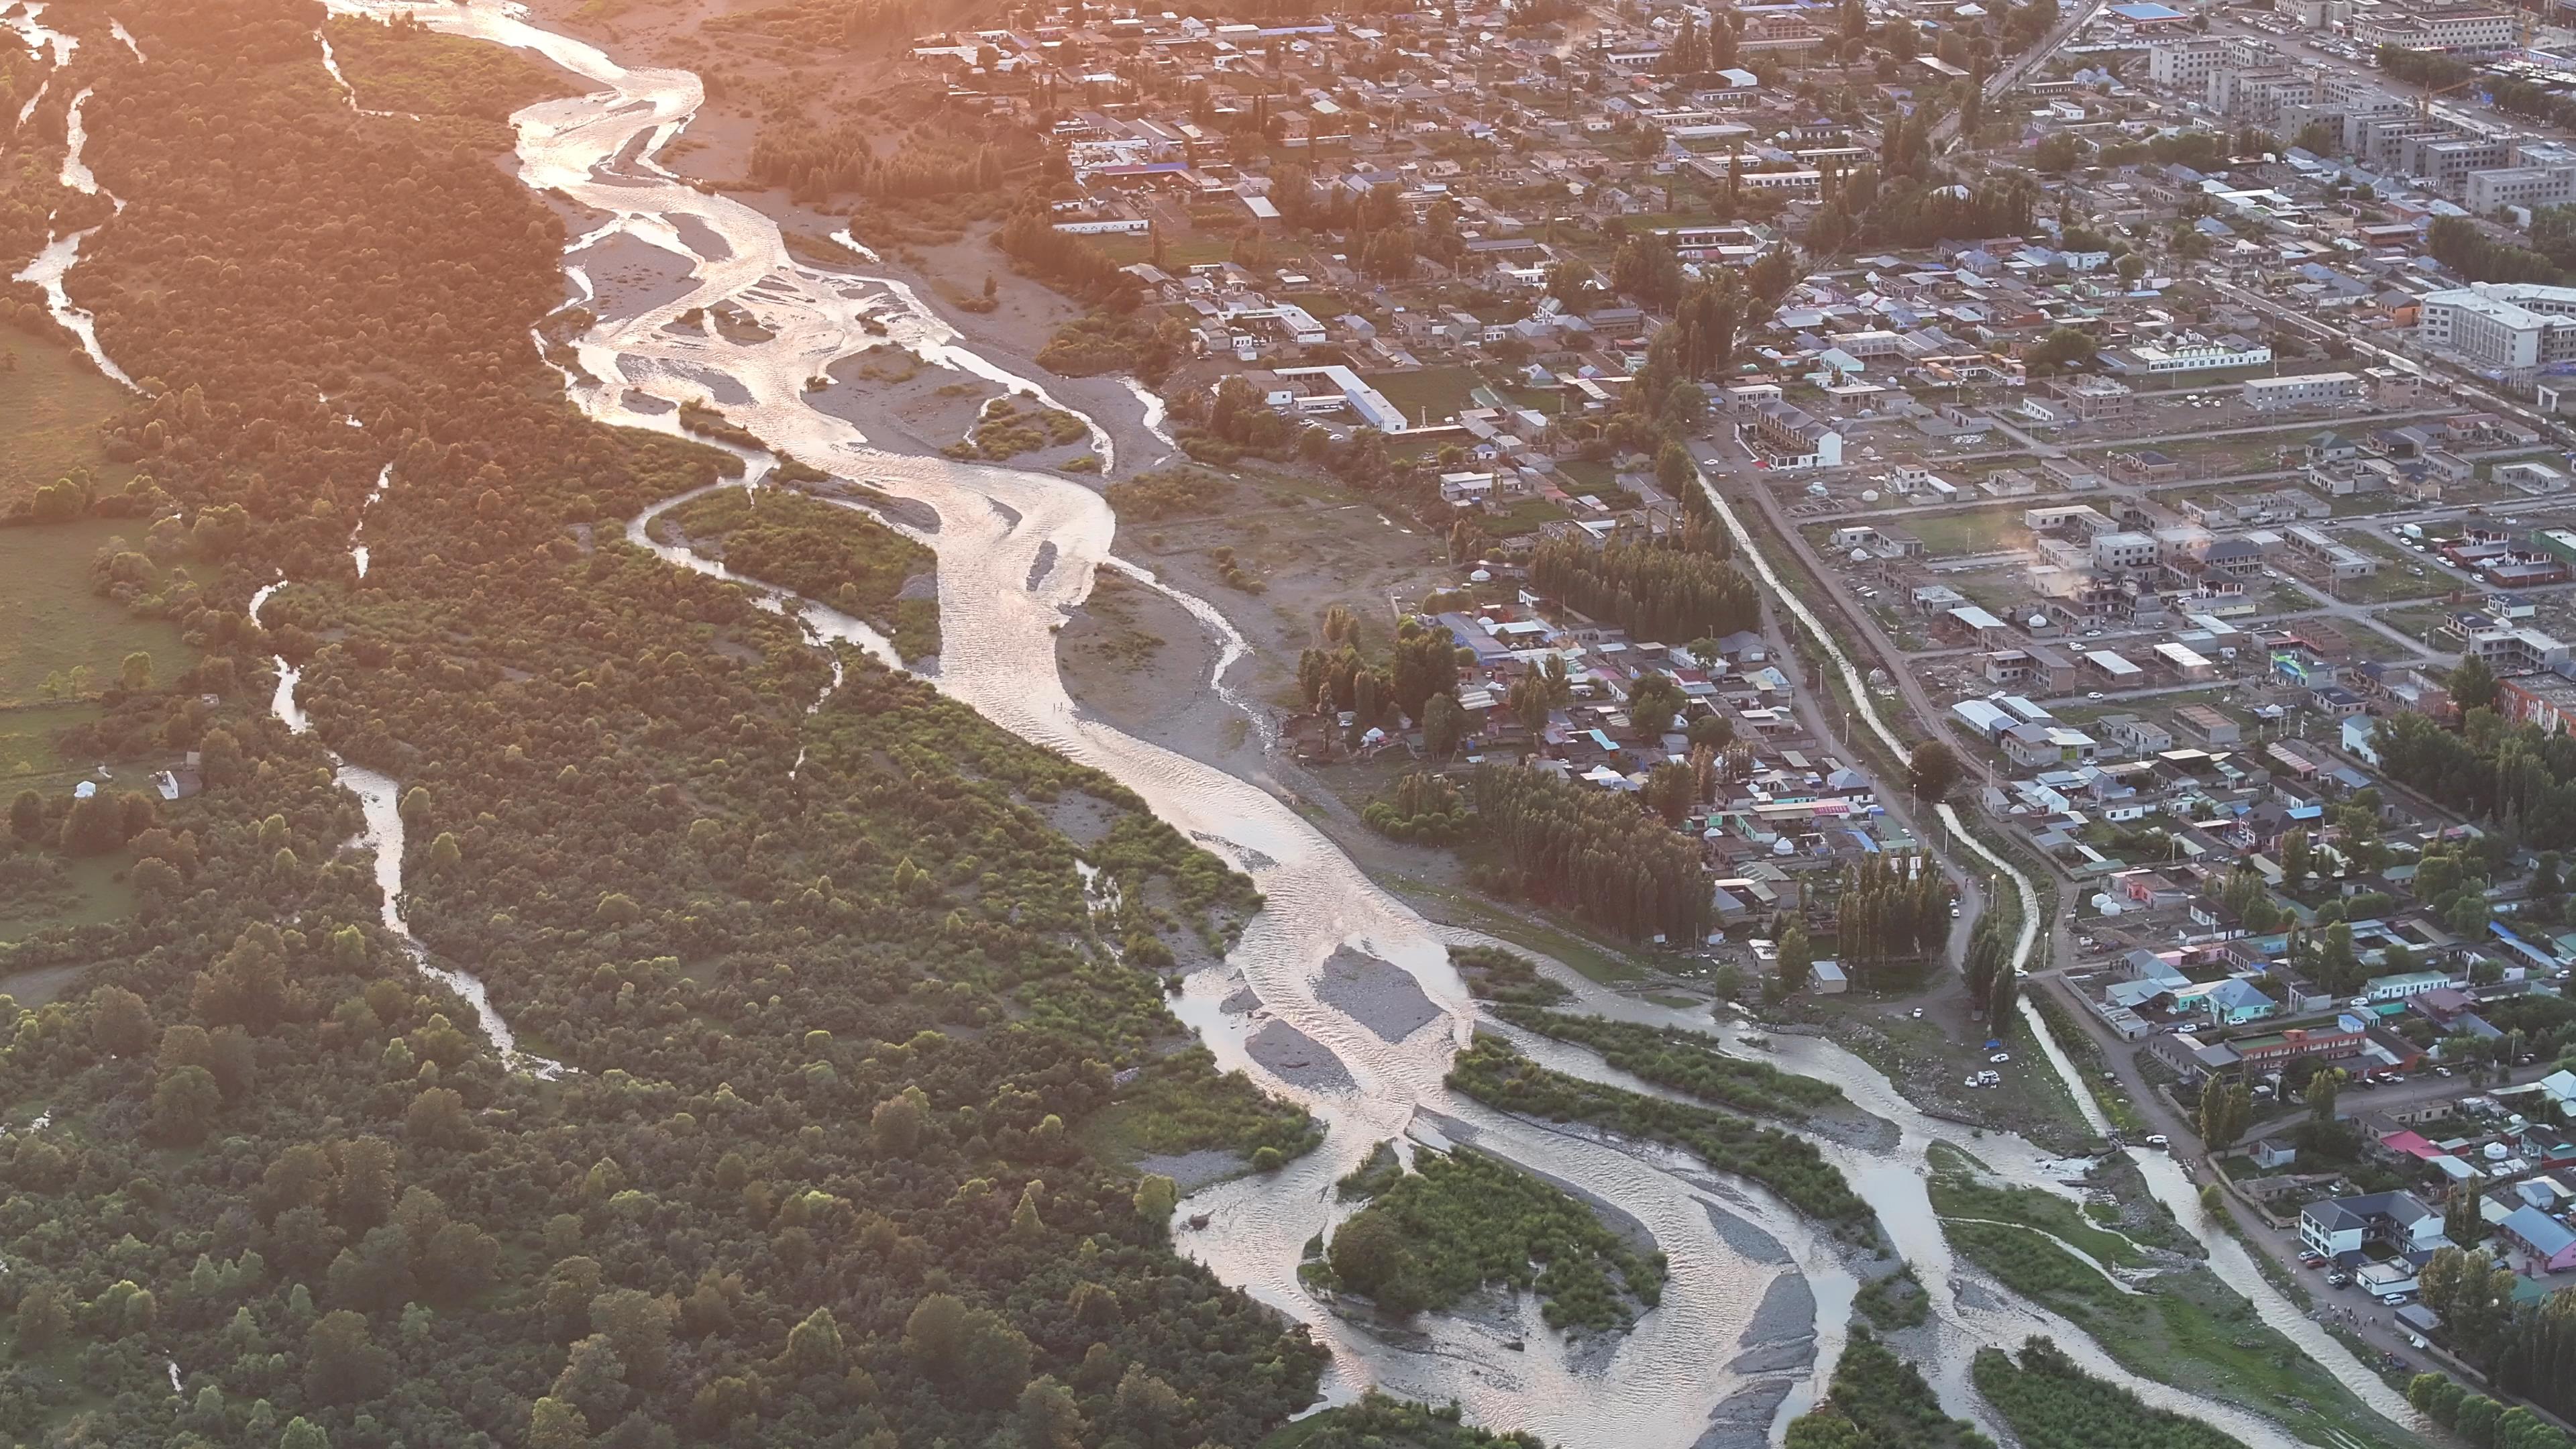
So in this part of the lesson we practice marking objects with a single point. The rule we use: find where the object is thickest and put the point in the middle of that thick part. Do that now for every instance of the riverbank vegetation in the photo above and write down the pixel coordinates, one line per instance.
(462, 91)
(1378, 1422)
(835, 1011)
(1879, 1401)
(1462, 1221)
(2179, 1327)
(1494, 974)
(838, 555)
(1971, 1195)
(1169, 493)
(1004, 431)
(1686, 1061)
(2052, 1404)
(1894, 1300)
(1493, 1073)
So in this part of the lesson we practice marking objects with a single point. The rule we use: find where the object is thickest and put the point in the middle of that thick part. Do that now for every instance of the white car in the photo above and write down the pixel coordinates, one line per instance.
(2000, 1057)
(1916, 1013)
(2097, 694)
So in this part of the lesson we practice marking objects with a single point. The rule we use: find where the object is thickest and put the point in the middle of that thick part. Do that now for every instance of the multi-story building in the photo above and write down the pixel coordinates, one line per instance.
(2514, 650)
(1783, 435)
(2501, 324)
(2531, 186)
(2476, 31)
(2445, 159)
(2315, 389)
(2124, 550)
(2259, 94)
(2539, 699)
(2182, 62)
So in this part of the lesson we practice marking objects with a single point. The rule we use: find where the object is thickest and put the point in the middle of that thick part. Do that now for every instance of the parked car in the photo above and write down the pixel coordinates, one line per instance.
(2000, 1057)
(2393, 1300)
(2338, 1279)
(2160, 1142)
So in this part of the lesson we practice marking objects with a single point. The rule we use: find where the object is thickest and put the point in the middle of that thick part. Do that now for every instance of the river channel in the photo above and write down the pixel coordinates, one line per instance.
(1016, 551)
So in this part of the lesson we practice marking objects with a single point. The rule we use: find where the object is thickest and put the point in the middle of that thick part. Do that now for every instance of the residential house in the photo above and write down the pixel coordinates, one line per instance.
(2343, 1227)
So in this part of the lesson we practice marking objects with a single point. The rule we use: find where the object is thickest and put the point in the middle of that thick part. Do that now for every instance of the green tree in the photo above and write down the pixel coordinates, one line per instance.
(2473, 684)
(342, 1363)
(119, 1022)
(185, 1104)
(1797, 960)
(1935, 770)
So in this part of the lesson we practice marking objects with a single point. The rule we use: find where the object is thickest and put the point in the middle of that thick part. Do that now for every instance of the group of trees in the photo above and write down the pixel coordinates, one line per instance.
(1988, 968)
(1884, 914)
(2465, 247)
(835, 1011)
(1878, 1399)
(1654, 589)
(2050, 1403)
(1417, 680)
(1069, 262)
(818, 168)
(2515, 775)
(1591, 852)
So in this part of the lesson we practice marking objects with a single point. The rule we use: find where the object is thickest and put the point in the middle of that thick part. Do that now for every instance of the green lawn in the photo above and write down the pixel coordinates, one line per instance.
(1525, 515)
(1435, 392)
(52, 402)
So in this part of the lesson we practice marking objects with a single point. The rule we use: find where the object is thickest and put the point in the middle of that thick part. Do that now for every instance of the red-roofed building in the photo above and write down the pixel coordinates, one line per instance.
(2411, 1144)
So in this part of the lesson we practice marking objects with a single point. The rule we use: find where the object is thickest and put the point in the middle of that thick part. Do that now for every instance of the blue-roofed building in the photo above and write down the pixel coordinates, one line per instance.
(2545, 1241)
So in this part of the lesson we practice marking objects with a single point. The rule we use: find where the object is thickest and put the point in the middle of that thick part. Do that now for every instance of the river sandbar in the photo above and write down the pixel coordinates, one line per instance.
(1379, 995)
(1297, 1059)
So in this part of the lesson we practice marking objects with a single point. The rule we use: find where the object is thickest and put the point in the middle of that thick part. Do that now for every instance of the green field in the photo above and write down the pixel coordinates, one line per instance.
(1438, 392)
(28, 756)
(88, 891)
(1968, 531)
(57, 625)
(53, 402)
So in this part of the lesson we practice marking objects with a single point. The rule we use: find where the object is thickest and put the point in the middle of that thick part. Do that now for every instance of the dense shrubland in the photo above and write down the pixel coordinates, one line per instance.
(1686, 1061)
(839, 555)
(1879, 1401)
(2052, 1404)
(836, 1028)
(1461, 1221)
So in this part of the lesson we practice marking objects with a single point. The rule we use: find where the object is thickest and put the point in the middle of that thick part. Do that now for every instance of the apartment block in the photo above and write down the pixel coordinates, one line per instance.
(2501, 324)
(2316, 389)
